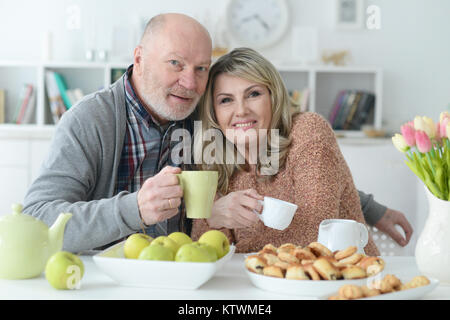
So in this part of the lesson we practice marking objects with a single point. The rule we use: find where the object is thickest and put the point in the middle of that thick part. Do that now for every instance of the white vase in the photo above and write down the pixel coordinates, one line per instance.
(433, 245)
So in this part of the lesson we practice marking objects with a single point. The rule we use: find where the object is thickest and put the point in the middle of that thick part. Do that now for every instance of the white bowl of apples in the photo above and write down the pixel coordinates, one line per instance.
(171, 262)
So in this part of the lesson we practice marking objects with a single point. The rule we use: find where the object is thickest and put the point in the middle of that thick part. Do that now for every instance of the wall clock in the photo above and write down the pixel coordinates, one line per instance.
(257, 23)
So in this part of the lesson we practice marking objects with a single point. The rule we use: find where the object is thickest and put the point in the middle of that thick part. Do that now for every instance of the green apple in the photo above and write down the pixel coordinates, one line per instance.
(64, 270)
(157, 252)
(166, 242)
(180, 238)
(134, 245)
(216, 239)
(192, 252)
(211, 251)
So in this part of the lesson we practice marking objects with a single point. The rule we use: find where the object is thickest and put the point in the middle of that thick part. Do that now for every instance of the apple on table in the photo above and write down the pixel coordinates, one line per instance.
(64, 270)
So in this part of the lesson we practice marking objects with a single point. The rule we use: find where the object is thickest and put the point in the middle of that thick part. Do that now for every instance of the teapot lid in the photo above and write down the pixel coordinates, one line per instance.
(18, 220)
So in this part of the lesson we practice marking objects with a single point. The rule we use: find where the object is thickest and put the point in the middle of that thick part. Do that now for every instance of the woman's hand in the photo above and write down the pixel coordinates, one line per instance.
(387, 225)
(236, 210)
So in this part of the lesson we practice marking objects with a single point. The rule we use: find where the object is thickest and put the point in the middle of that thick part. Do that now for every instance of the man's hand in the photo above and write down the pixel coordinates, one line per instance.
(236, 210)
(387, 225)
(160, 196)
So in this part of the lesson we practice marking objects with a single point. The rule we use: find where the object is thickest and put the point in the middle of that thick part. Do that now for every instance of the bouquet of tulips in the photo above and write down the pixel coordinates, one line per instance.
(426, 146)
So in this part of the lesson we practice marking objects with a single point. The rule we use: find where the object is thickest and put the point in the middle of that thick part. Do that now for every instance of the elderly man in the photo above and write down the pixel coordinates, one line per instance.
(109, 159)
(109, 163)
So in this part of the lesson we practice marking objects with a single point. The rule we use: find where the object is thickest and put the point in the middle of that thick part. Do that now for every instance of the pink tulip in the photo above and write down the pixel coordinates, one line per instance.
(438, 136)
(408, 133)
(423, 141)
(443, 126)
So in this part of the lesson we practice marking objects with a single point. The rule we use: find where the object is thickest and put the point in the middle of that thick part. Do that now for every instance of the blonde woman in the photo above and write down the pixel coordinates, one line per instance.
(246, 94)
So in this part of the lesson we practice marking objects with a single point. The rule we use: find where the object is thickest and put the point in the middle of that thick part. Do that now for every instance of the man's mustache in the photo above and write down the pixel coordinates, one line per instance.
(182, 92)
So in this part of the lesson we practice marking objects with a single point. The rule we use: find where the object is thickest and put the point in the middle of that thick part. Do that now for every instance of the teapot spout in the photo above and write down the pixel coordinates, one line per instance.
(56, 232)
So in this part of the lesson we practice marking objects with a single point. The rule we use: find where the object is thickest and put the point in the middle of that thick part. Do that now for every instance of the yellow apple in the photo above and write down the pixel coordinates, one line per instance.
(166, 242)
(216, 239)
(157, 252)
(180, 238)
(64, 270)
(134, 245)
(193, 252)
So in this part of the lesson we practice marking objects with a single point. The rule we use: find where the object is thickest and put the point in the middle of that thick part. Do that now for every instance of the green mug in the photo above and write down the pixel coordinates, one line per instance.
(199, 191)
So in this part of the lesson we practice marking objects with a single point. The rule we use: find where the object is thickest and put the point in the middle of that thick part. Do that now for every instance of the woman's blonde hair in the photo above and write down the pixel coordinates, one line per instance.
(250, 65)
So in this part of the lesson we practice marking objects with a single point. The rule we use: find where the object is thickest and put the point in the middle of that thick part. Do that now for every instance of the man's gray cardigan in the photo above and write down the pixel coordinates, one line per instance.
(80, 171)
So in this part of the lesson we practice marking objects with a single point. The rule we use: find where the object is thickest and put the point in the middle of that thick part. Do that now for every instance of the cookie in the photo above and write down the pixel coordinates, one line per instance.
(319, 249)
(353, 272)
(273, 271)
(296, 272)
(341, 254)
(326, 269)
(255, 264)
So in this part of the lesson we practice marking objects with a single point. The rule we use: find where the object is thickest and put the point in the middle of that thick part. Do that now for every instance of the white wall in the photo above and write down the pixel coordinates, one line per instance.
(412, 45)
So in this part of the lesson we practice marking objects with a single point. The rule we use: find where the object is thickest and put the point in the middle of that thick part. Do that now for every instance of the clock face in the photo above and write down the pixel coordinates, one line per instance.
(257, 23)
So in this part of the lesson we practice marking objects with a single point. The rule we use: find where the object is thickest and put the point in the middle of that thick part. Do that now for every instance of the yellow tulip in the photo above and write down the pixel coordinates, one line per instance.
(447, 129)
(400, 143)
(443, 115)
(425, 124)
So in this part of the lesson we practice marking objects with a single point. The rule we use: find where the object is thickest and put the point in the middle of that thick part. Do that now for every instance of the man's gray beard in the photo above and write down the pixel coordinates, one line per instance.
(165, 112)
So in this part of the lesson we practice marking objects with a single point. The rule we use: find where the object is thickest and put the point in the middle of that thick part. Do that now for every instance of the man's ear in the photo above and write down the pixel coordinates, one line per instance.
(137, 60)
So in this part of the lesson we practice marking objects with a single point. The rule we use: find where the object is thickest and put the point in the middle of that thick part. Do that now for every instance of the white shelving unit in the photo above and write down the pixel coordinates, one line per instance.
(88, 76)
(324, 83)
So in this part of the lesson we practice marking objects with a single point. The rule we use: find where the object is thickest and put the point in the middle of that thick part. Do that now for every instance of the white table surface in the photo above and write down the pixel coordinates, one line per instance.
(230, 283)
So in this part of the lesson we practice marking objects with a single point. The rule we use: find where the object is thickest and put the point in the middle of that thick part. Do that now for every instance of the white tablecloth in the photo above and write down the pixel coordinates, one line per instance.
(230, 283)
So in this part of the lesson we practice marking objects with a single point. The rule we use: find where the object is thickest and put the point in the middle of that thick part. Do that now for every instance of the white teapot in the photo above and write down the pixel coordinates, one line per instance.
(339, 234)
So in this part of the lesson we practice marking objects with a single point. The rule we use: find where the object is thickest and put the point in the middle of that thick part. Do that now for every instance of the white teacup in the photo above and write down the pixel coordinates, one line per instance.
(277, 214)
(339, 234)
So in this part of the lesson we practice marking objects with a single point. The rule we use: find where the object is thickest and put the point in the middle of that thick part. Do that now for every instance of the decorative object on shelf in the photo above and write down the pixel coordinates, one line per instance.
(300, 98)
(304, 44)
(336, 57)
(102, 55)
(89, 55)
(352, 109)
(349, 14)
(257, 23)
(426, 146)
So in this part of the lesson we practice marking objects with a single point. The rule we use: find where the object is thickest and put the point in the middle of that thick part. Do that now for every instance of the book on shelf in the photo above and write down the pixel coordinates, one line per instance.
(351, 109)
(2, 106)
(62, 86)
(29, 116)
(24, 103)
(57, 106)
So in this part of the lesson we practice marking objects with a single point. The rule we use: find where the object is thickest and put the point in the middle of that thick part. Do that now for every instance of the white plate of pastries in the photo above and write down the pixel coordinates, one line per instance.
(388, 287)
(312, 271)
